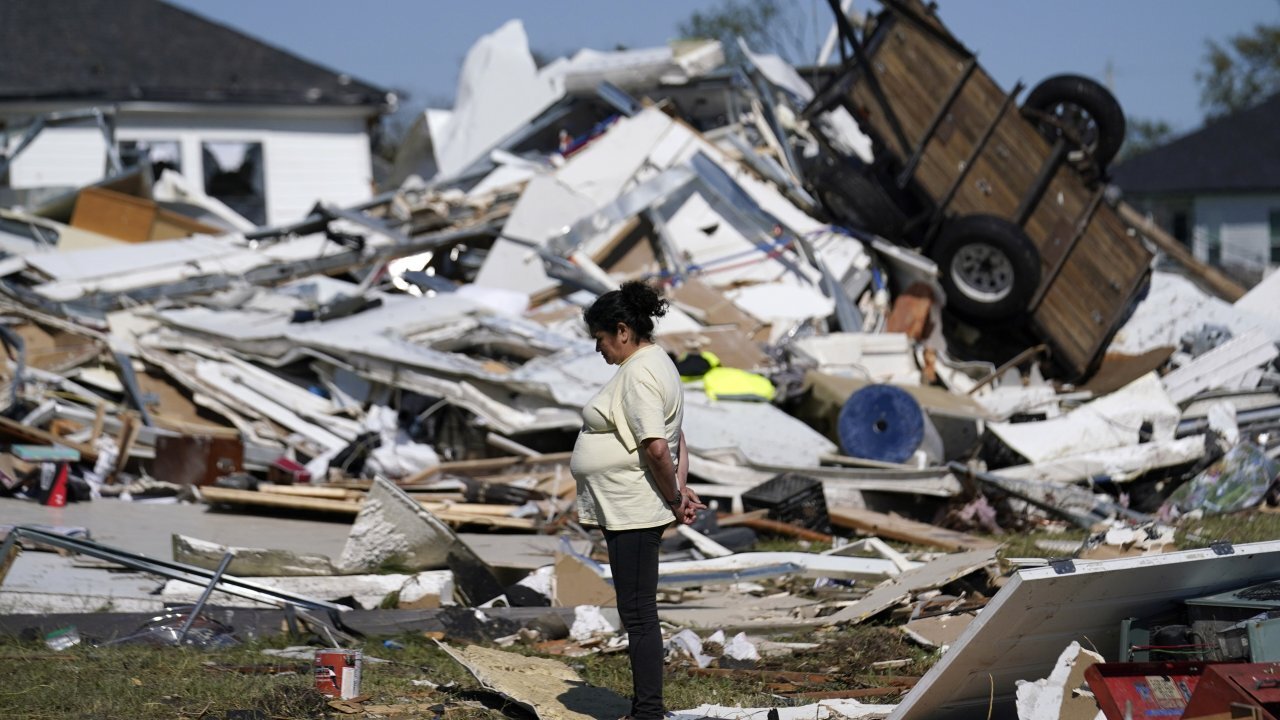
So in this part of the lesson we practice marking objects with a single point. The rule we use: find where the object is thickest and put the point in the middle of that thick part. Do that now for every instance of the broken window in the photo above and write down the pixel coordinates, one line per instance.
(233, 173)
(162, 154)
(1215, 246)
(1180, 227)
(1273, 221)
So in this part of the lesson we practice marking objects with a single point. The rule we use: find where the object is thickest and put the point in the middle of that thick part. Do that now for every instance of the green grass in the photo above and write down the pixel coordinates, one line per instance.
(1243, 527)
(168, 682)
(845, 653)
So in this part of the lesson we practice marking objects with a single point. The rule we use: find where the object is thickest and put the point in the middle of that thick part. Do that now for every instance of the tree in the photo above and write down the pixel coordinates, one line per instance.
(766, 25)
(1141, 135)
(1241, 73)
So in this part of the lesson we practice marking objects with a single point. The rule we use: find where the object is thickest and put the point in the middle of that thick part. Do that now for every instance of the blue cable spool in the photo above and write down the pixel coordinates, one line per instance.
(881, 422)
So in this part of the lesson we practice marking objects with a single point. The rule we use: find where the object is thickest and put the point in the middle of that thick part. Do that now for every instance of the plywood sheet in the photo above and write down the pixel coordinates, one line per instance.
(735, 348)
(710, 307)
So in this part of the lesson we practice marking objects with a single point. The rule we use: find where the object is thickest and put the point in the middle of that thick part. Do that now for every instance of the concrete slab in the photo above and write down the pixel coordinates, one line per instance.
(39, 583)
(393, 527)
(147, 528)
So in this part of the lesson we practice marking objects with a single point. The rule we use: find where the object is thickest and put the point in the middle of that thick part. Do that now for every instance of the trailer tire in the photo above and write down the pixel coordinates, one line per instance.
(852, 197)
(988, 267)
(1084, 105)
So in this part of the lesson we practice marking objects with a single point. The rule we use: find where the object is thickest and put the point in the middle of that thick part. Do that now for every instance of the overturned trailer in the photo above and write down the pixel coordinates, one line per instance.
(1010, 202)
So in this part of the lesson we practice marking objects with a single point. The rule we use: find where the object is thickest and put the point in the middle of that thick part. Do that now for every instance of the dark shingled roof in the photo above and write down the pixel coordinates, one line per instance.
(1239, 153)
(145, 50)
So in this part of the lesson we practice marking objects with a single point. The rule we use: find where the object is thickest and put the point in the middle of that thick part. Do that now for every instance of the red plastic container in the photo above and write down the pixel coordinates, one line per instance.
(337, 672)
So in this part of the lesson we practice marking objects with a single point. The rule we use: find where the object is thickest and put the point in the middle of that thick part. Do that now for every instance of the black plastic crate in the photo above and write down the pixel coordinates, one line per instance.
(791, 498)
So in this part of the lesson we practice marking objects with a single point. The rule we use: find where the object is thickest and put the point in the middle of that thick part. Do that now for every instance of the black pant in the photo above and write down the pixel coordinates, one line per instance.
(633, 558)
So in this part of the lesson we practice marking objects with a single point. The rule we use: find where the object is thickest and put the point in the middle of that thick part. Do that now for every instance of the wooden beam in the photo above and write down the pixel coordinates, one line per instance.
(846, 694)
(99, 417)
(1210, 277)
(483, 465)
(764, 675)
(34, 435)
(231, 496)
(893, 527)
(454, 513)
(778, 527)
(129, 429)
(313, 492)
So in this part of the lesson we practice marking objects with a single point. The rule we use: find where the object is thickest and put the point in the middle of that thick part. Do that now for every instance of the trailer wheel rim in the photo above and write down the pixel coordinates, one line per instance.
(982, 272)
(1080, 122)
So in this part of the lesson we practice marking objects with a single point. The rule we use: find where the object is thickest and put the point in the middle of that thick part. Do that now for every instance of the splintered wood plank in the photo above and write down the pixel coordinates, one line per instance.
(484, 466)
(459, 514)
(844, 694)
(327, 493)
(777, 527)
(787, 676)
(14, 429)
(902, 529)
(231, 496)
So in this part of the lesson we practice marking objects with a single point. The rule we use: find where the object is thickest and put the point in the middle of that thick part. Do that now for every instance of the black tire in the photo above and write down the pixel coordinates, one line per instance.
(853, 198)
(1087, 109)
(988, 267)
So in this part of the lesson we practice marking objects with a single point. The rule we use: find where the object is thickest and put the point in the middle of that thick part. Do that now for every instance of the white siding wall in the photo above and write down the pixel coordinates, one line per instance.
(1240, 224)
(59, 157)
(304, 167)
(306, 158)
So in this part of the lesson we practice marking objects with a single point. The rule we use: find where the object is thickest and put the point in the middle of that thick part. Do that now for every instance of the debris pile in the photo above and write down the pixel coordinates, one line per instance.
(865, 360)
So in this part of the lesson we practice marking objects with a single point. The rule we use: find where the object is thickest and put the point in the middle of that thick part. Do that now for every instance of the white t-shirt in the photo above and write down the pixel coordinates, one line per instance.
(616, 488)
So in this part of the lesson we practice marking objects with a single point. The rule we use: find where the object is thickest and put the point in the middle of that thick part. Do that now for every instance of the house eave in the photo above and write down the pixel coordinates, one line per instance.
(13, 107)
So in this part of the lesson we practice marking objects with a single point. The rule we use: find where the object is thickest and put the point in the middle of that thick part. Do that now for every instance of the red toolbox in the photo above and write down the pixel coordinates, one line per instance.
(1237, 690)
(1130, 691)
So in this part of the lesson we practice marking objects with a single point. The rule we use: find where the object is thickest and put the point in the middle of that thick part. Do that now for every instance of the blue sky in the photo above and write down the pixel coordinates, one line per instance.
(1149, 49)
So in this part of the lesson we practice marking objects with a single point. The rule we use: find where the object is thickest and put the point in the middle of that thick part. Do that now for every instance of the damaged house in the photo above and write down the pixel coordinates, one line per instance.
(1210, 192)
(260, 129)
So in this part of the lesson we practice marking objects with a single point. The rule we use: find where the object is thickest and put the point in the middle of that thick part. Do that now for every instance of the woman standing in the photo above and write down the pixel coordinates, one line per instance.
(631, 464)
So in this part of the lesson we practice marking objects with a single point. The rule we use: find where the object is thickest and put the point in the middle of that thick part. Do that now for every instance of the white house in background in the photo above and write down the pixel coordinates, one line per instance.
(263, 130)
(1217, 190)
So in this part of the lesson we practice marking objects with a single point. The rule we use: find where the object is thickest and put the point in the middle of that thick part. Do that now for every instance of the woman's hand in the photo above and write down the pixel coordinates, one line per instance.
(687, 510)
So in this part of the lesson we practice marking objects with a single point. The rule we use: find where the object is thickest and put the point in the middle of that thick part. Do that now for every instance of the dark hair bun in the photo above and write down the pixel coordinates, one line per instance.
(643, 300)
(635, 305)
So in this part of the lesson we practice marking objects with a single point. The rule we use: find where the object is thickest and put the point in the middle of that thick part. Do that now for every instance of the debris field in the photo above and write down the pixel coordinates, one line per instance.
(913, 322)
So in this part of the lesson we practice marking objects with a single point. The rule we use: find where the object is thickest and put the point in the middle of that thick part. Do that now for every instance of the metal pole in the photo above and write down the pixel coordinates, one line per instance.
(204, 596)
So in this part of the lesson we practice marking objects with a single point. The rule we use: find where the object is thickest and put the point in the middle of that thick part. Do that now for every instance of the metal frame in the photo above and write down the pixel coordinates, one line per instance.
(171, 570)
(848, 34)
(1081, 225)
(105, 120)
(935, 221)
(909, 169)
